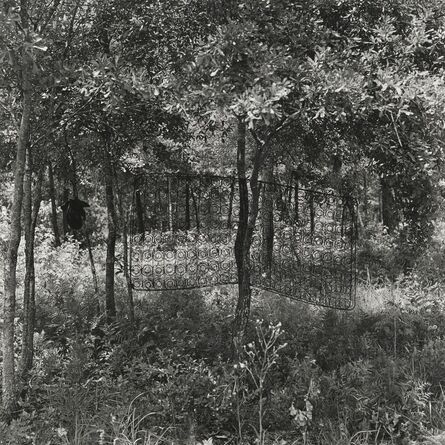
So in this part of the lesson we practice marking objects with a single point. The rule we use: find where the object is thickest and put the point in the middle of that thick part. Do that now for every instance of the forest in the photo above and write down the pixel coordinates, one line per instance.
(222, 222)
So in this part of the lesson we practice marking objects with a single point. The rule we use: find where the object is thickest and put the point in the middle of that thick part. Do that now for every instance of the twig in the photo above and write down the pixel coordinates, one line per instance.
(395, 129)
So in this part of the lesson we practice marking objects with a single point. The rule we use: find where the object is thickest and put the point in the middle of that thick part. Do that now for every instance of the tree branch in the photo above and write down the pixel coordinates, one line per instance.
(69, 36)
(51, 13)
(285, 122)
(395, 129)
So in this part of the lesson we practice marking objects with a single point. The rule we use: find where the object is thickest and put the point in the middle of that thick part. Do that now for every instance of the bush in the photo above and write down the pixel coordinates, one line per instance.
(171, 373)
(430, 361)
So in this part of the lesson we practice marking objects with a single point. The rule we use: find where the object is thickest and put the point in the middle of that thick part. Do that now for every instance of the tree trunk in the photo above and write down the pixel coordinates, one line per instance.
(267, 220)
(139, 209)
(389, 213)
(336, 178)
(29, 263)
(31, 212)
(52, 194)
(195, 208)
(110, 304)
(187, 205)
(65, 197)
(296, 197)
(9, 397)
(243, 269)
(246, 226)
(312, 213)
(126, 265)
(365, 197)
(169, 205)
(73, 167)
(157, 221)
(281, 204)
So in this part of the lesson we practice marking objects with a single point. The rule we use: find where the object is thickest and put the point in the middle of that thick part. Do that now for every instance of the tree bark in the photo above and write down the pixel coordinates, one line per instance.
(52, 194)
(139, 209)
(73, 167)
(267, 220)
(242, 260)
(110, 304)
(130, 305)
(29, 263)
(31, 212)
(65, 197)
(389, 213)
(246, 226)
(336, 178)
(312, 213)
(196, 210)
(187, 206)
(282, 205)
(9, 396)
(169, 205)
(365, 197)
(296, 197)
(126, 265)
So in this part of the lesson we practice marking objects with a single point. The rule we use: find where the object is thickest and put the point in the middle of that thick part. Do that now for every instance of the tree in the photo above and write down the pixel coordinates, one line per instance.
(22, 45)
(312, 74)
(30, 214)
(237, 76)
(22, 63)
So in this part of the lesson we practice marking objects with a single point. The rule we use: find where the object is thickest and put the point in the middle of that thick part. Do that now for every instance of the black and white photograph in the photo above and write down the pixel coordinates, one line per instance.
(222, 222)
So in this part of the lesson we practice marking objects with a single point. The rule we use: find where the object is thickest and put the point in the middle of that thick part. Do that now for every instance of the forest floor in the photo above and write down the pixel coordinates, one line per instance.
(307, 375)
(373, 375)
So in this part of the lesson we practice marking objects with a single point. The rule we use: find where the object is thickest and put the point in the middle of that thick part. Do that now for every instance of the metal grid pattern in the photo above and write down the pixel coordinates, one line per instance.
(184, 229)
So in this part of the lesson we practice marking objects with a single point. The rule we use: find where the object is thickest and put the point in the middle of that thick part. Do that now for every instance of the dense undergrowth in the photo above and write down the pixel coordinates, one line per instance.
(306, 375)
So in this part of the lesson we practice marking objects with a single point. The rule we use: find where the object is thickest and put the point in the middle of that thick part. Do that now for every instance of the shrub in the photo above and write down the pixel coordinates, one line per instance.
(430, 361)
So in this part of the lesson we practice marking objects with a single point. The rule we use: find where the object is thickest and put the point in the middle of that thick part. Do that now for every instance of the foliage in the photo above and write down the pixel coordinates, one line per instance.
(170, 377)
(340, 94)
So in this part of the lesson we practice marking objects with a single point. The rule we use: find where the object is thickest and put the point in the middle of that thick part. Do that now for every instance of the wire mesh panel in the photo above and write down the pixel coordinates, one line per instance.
(186, 233)
(184, 230)
(304, 246)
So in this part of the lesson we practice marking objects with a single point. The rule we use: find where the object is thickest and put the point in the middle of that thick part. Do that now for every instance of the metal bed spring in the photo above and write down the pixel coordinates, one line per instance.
(183, 231)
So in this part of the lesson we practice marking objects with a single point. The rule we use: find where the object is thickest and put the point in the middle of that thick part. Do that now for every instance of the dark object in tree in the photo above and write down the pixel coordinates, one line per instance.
(74, 212)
